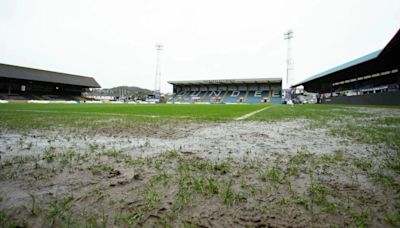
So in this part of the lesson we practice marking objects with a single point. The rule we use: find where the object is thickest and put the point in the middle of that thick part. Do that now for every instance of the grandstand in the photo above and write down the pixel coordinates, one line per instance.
(22, 83)
(372, 79)
(228, 91)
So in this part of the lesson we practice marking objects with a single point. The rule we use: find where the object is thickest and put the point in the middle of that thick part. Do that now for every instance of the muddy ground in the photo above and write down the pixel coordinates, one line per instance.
(227, 174)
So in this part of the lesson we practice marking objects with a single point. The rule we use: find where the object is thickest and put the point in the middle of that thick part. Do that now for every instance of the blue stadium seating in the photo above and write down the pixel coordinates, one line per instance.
(189, 97)
(275, 100)
(228, 97)
(233, 96)
(256, 97)
(208, 97)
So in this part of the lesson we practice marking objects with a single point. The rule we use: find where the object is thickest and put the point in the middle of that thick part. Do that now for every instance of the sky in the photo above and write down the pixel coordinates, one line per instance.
(114, 41)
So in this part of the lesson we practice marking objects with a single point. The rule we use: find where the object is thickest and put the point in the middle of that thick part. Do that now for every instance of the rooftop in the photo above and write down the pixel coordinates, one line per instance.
(227, 81)
(391, 49)
(353, 62)
(31, 74)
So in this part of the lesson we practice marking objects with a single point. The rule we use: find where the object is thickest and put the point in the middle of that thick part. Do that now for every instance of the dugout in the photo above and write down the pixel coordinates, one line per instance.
(372, 79)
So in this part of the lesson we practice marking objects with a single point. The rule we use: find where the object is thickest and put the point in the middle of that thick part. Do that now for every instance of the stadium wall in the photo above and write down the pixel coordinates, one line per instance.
(387, 98)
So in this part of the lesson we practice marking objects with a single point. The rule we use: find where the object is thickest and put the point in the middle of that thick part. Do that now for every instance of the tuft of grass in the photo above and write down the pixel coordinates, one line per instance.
(360, 219)
(93, 147)
(152, 197)
(273, 174)
(104, 219)
(100, 169)
(202, 165)
(212, 186)
(91, 221)
(163, 177)
(300, 158)
(319, 195)
(6, 164)
(171, 154)
(385, 180)
(139, 215)
(293, 170)
(112, 153)
(337, 156)
(99, 194)
(60, 209)
(205, 186)
(231, 198)
(183, 197)
(393, 219)
(301, 201)
(223, 167)
(67, 157)
(199, 185)
(393, 164)
(49, 154)
(363, 164)
(7, 220)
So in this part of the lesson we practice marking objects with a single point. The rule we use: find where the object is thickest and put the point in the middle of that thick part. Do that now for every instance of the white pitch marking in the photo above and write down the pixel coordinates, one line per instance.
(252, 113)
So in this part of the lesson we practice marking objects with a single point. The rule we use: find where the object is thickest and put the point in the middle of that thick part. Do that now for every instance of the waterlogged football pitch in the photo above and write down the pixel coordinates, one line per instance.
(89, 165)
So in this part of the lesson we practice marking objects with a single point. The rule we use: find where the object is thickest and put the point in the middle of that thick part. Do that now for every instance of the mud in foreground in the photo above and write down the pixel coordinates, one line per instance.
(294, 173)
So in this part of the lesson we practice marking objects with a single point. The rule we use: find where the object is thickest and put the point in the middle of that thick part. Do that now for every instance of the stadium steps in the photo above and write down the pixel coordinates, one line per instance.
(231, 99)
(245, 97)
(171, 98)
(187, 99)
(223, 97)
(204, 96)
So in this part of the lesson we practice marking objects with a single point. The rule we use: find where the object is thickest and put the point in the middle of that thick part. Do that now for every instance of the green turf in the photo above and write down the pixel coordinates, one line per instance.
(13, 116)
(321, 192)
(162, 110)
(320, 112)
(342, 120)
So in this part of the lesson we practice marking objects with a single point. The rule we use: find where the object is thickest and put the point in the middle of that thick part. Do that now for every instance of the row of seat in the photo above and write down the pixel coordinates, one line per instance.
(249, 97)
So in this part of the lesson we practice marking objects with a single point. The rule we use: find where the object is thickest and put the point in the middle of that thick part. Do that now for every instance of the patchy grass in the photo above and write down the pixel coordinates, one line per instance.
(230, 197)
(105, 185)
(273, 174)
